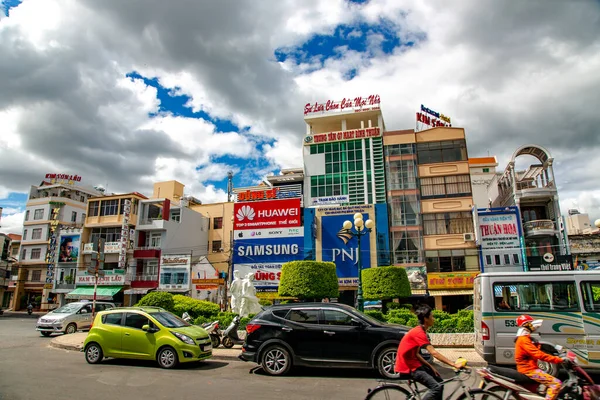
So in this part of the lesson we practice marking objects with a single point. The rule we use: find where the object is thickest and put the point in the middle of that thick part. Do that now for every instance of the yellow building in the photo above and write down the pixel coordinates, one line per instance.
(220, 233)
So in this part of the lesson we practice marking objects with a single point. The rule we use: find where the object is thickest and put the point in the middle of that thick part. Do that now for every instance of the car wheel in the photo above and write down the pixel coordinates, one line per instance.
(227, 342)
(93, 353)
(215, 340)
(276, 360)
(71, 328)
(386, 361)
(46, 333)
(167, 358)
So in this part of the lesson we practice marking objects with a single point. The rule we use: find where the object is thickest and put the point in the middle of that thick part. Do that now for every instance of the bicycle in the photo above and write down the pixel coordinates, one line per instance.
(391, 391)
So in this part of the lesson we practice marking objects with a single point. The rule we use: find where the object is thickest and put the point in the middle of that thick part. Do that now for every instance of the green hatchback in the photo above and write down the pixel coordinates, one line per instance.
(145, 333)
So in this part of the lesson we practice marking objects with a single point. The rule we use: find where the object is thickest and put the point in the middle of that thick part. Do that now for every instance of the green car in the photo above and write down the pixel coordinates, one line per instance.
(145, 333)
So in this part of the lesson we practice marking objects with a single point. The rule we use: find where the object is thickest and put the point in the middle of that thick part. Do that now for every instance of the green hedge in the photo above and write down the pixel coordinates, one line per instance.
(461, 322)
(157, 299)
(308, 280)
(195, 308)
(384, 283)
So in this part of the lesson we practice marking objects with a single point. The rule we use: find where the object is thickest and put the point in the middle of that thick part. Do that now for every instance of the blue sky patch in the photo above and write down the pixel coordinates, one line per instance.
(6, 5)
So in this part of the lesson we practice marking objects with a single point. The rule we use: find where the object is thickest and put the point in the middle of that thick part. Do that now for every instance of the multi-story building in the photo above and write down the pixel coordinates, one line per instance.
(13, 266)
(534, 191)
(112, 218)
(55, 203)
(171, 240)
(578, 223)
(343, 153)
(431, 223)
(483, 171)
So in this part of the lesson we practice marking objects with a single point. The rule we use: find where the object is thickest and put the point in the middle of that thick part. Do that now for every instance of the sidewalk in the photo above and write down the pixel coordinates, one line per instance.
(22, 314)
(74, 342)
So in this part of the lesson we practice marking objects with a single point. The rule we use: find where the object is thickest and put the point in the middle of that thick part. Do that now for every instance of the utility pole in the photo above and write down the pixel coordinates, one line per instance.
(97, 268)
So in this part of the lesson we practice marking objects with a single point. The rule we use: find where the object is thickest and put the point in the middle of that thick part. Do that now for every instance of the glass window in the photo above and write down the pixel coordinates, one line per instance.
(36, 275)
(304, 316)
(217, 222)
(109, 207)
(73, 216)
(112, 319)
(591, 295)
(447, 223)
(448, 186)
(507, 259)
(217, 246)
(536, 296)
(446, 151)
(93, 207)
(335, 317)
(24, 234)
(38, 214)
(516, 259)
(136, 320)
(27, 215)
(36, 233)
(36, 253)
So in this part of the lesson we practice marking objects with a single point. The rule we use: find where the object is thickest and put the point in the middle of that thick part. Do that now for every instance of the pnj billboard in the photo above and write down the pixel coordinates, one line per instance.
(342, 249)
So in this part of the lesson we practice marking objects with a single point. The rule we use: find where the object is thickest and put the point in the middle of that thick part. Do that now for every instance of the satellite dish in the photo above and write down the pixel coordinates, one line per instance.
(100, 188)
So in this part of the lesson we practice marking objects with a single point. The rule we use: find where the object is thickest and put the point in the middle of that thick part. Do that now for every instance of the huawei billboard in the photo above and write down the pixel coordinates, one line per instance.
(267, 214)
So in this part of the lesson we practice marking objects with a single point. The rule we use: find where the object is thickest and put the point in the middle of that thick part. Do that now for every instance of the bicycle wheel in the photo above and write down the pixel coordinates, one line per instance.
(389, 392)
(479, 394)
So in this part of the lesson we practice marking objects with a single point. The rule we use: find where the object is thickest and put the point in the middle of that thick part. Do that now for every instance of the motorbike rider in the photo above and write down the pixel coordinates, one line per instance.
(527, 353)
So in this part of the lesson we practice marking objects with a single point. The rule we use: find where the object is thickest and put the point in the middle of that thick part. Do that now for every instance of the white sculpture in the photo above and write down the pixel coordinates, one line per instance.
(249, 304)
(236, 292)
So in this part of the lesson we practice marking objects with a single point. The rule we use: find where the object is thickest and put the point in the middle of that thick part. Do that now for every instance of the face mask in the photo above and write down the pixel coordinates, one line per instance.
(537, 323)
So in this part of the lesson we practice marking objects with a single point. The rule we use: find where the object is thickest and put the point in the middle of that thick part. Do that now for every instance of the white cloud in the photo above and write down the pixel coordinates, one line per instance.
(12, 222)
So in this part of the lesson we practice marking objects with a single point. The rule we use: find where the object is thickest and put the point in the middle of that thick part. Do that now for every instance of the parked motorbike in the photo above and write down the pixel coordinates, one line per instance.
(212, 328)
(29, 309)
(510, 384)
(230, 335)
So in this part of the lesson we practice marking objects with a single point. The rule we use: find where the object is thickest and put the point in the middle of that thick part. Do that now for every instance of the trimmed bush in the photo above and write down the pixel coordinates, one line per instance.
(308, 280)
(157, 299)
(265, 302)
(376, 314)
(461, 322)
(396, 306)
(385, 283)
(195, 308)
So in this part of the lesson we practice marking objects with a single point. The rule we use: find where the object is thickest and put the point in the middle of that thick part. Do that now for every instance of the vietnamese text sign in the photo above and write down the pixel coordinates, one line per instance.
(352, 134)
(271, 250)
(110, 278)
(454, 280)
(267, 214)
(267, 194)
(270, 233)
(265, 274)
(216, 281)
(499, 231)
(550, 262)
(318, 201)
(347, 104)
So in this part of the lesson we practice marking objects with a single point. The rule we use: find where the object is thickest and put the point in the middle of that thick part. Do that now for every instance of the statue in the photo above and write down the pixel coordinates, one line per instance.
(249, 304)
(236, 292)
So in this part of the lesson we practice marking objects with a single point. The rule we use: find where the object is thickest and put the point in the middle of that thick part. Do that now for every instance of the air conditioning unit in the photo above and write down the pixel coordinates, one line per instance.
(469, 237)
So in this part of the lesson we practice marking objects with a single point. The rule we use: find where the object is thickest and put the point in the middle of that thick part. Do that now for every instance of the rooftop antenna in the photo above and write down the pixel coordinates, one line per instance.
(229, 185)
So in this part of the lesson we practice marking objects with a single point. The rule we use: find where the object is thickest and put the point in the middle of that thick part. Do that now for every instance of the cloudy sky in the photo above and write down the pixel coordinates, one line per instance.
(126, 93)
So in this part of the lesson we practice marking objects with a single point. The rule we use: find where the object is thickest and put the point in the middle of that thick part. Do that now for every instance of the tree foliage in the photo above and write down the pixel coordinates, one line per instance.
(385, 283)
(195, 308)
(313, 280)
(157, 299)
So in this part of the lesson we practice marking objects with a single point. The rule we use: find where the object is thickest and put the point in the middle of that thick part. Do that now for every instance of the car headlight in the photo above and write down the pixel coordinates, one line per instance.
(184, 338)
(58, 321)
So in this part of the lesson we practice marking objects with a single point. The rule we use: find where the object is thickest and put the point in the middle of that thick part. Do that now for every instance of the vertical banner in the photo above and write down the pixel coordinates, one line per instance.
(124, 234)
(51, 253)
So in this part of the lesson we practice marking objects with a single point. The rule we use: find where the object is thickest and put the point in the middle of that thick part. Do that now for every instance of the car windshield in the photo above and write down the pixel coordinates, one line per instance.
(169, 320)
(67, 309)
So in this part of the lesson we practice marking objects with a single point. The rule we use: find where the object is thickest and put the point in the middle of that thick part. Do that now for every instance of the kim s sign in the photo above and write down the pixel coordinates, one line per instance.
(267, 214)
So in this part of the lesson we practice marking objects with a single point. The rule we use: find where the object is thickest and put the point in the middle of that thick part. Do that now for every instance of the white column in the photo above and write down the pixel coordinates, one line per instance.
(364, 163)
(344, 124)
(372, 169)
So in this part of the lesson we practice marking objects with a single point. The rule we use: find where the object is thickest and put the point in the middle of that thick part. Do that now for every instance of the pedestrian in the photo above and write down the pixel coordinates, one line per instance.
(410, 362)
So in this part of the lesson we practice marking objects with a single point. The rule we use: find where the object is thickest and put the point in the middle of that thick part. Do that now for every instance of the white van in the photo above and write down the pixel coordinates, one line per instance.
(568, 302)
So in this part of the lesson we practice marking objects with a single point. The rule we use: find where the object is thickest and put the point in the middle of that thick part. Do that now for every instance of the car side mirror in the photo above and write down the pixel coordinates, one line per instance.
(83, 311)
(146, 328)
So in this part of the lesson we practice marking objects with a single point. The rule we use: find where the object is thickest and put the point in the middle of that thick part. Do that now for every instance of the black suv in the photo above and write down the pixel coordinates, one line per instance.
(321, 335)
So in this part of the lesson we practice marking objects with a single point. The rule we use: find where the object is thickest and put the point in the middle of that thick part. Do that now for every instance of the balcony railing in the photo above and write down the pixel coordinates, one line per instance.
(64, 285)
(539, 227)
(141, 277)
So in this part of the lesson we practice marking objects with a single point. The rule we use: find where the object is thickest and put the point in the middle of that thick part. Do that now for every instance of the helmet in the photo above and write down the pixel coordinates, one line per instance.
(522, 319)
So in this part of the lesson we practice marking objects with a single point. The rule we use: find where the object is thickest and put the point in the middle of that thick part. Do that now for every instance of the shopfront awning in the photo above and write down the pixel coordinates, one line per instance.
(418, 292)
(87, 293)
(449, 292)
(137, 291)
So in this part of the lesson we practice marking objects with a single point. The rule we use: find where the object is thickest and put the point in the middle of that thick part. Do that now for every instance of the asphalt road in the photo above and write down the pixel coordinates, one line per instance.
(31, 369)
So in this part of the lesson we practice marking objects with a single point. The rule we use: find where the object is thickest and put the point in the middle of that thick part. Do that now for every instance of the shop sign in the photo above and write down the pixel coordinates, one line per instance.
(267, 214)
(265, 274)
(268, 194)
(124, 234)
(356, 104)
(207, 287)
(455, 280)
(208, 281)
(270, 233)
(63, 178)
(111, 277)
(51, 252)
(273, 250)
(427, 118)
(320, 201)
(550, 262)
(168, 260)
(352, 134)
(348, 210)
(499, 231)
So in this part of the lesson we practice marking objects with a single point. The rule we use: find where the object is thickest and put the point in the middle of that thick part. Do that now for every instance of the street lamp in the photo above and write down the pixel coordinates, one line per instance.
(361, 228)
(597, 223)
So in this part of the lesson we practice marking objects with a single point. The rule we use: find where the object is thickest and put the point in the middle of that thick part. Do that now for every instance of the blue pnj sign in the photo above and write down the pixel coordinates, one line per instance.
(342, 248)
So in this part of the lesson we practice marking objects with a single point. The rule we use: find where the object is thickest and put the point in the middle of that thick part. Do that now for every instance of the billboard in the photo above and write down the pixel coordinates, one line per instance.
(499, 237)
(268, 250)
(269, 233)
(341, 248)
(175, 272)
(266, 275)
(267, 214)
(69, 248)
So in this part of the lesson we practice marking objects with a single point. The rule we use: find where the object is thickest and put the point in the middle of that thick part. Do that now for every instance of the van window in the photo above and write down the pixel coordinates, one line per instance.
(536, 296)
(591, 295)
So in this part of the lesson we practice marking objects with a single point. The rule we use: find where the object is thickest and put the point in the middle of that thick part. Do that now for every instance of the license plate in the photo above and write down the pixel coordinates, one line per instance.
(207, 347)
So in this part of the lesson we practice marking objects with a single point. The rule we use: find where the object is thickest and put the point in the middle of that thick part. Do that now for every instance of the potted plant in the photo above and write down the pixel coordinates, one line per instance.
(69, 279)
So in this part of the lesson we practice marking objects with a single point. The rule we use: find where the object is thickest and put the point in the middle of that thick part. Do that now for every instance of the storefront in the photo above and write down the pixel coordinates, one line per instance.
(451, 291)
(109, 287)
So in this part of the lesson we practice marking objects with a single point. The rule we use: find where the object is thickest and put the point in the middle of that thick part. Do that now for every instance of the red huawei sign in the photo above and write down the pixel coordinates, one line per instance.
(267, 214)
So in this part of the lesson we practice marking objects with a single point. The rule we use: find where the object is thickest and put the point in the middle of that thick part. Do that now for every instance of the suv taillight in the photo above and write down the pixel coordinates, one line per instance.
(485, 331)
(251, 328)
